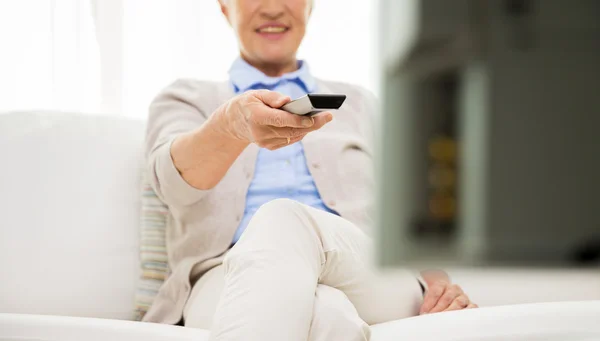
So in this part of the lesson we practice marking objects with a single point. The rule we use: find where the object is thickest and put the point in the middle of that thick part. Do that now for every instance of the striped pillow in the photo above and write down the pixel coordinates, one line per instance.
(153, 249)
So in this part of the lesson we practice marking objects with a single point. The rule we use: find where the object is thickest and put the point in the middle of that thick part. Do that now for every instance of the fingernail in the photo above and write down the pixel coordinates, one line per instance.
(307, 122)
(329, 118)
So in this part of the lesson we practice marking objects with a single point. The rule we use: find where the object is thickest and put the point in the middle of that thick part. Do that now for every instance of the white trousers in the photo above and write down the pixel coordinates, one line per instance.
(298, 273)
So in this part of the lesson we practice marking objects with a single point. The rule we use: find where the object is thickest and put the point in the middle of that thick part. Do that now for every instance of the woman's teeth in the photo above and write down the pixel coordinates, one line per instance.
(272, 29)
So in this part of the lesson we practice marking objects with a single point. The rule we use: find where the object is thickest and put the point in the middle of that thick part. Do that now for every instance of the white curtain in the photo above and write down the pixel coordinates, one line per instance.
(49, 57)
(113, 56)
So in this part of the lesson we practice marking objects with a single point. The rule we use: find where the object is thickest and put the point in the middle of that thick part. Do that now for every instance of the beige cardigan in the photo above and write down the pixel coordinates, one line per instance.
(202, 222)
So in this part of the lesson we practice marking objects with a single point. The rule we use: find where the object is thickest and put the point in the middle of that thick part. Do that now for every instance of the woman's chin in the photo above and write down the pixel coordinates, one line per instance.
(276, 57)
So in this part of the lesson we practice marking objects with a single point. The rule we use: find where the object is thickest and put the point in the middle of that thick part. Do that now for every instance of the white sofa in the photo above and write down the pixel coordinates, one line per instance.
(69, 206)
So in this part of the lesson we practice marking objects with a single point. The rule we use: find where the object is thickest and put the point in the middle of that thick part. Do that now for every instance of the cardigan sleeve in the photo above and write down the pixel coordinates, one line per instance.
(174, 111)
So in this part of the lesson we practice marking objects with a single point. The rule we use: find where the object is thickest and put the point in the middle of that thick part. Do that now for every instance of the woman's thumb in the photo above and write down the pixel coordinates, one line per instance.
(272, 98)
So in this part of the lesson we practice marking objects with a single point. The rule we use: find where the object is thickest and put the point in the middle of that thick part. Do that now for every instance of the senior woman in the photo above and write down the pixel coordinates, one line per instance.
(269, 211)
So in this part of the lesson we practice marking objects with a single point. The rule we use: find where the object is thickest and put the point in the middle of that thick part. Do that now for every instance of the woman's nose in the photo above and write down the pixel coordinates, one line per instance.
(272, 9)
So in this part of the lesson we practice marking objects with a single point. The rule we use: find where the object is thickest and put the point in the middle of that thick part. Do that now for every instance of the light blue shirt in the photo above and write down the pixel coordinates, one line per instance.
(282, 173)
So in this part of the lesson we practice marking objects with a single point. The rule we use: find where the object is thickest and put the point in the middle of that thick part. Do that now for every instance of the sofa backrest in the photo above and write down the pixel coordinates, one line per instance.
(69, 210)
(69, 216)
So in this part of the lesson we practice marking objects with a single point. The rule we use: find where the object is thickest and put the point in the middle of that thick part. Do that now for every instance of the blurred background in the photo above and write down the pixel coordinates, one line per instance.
(113, 56)
(491, 116)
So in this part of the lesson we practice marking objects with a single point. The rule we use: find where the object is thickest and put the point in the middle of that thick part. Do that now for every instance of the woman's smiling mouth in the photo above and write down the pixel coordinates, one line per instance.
(272, 30)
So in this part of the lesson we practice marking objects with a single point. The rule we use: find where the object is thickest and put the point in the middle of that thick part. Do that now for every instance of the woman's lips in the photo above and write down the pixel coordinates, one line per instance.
(272, 31)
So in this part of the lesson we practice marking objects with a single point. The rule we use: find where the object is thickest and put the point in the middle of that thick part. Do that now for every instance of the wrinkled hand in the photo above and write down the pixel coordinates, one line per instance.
(442, 295)
(254, 117)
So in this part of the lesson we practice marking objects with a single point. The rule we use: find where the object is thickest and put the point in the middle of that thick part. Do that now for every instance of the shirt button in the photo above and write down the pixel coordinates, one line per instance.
(287, 162)
(315, 165)
(248, 175)
(238, 218)
(331, 203)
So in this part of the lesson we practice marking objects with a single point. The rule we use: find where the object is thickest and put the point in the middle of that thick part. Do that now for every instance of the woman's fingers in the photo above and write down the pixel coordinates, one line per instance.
(319, 122)
(269, 132)
(472, 306)
(451, 293)
(279, 142)
(443, 296)
(266, 116)
(282, 119)
(432, 296)
(322, 118)
(461, 302)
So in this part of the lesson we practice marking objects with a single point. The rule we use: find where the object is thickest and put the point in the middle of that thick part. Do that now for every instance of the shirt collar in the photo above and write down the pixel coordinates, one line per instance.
(244, 76)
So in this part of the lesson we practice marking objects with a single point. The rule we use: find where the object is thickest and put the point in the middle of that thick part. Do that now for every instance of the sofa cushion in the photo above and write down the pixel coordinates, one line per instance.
(153, 250)
(69, 208)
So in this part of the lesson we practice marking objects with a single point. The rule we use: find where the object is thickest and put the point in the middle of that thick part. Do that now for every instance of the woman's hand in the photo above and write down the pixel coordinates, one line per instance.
(442, 295)
(203, 156)
(255, 117)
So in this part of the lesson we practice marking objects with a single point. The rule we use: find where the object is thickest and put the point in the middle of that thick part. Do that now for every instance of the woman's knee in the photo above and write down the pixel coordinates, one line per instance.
(277, 228)
(277, 218)
(277, 208)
